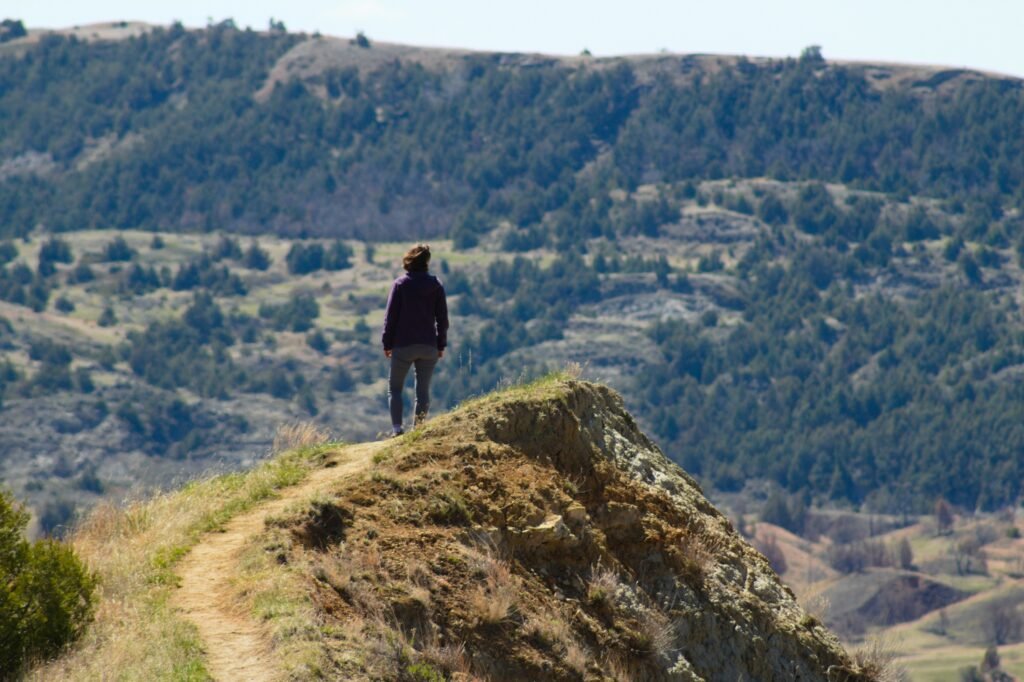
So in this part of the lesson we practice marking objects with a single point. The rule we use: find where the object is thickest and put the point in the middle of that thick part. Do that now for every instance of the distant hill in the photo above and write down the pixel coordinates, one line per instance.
(222, 128)
(794, 270)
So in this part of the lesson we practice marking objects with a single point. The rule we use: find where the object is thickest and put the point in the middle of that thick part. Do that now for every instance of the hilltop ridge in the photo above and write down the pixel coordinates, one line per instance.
(534, 533)
(882, 73)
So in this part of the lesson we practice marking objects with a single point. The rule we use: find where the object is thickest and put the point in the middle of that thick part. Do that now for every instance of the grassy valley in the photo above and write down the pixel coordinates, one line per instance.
(936, 590)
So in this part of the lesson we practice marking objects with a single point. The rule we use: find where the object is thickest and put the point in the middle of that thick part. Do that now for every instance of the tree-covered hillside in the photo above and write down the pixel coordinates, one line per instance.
(793, 270)
(164, 131)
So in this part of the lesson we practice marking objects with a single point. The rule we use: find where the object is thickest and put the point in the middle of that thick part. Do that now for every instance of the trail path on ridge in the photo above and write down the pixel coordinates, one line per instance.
(236, 647)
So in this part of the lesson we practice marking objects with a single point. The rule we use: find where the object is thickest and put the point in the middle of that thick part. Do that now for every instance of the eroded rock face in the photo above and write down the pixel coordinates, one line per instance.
(550, 534)
(543, 536)
(731, 617)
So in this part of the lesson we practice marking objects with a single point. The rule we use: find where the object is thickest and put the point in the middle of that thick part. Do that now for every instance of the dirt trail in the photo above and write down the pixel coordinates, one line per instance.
(236, 646)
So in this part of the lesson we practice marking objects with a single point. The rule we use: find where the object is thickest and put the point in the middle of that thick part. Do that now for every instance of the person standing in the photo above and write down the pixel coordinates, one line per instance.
(415, 333)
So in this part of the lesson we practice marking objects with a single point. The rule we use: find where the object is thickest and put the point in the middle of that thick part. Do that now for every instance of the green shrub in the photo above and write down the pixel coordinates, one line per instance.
(296, 315)
(450, 508)
(47, 595)
(117, 250)
(255, 257)
(424, 672)
(107, 318)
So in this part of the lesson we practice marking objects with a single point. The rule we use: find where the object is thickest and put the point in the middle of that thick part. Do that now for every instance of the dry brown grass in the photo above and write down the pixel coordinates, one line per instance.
(496, 599)
(134, 549)
(818, 607)
(449, 657)
(655, 636)
(299, 435)
(618, 670)
(698, 549)
(547, 628)
(577, 657)
(574, 370)
(328, 570)
(602, 586)
(391, 653)
(353, 574)
(552, 631)
(875, 660)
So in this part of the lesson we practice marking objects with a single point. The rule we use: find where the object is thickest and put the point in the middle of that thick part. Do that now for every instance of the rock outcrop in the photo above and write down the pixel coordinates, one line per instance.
(537, 534)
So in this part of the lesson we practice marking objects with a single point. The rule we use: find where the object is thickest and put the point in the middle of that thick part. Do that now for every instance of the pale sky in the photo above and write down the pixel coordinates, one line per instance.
(981, 34)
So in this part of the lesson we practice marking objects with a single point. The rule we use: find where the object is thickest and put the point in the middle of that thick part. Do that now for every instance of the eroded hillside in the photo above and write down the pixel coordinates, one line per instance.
(532, 534)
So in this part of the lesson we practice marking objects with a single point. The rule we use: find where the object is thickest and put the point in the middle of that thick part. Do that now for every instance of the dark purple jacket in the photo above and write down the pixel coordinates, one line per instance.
(417, 312)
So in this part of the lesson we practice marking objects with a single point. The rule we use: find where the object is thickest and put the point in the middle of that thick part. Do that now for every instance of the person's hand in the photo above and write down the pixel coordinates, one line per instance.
(387, 353)
(440, 354)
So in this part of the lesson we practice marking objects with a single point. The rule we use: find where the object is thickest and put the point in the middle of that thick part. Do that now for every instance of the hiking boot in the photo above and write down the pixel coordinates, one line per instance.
(420, 419)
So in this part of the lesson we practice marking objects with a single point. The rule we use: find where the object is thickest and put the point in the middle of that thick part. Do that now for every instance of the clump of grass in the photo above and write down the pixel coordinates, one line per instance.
(330, 573)
(816, 609)
(352, 574)
(573, 370)
(547, 630)
(134, 549)
(450, 508)
(602, 586)
(618, 670)
(392, 654)
(387, 480)
(553, 632)
(448, 657)
(697, 551)
(876, 660)
(655, 635)
(576, 656)
(299, 435)
(495, 601)
(423, 672)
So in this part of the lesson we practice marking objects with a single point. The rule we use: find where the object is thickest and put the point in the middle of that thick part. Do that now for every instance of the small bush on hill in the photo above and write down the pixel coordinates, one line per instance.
(55, 250)
(338, 256)
(296, 315)
(118, 250)
(303, 259)
(227, 248)
(47, 595)
(8, 252)
(204, 273)
(11, 29)
(255, 257)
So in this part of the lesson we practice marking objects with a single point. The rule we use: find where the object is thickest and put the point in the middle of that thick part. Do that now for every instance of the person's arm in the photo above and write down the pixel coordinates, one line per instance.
(391, 313)
(441, 318)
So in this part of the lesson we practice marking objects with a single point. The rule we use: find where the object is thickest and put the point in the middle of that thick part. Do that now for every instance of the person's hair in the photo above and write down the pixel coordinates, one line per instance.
(417, 258)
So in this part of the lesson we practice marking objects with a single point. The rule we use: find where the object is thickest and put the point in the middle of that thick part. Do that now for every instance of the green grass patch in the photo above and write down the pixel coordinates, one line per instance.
(134, 551)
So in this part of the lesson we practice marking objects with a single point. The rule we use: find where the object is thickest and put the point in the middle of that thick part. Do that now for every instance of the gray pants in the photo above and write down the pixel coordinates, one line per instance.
(424, 358)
